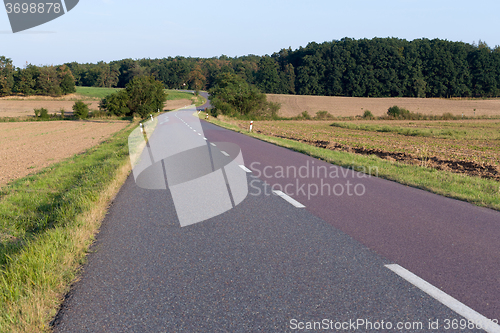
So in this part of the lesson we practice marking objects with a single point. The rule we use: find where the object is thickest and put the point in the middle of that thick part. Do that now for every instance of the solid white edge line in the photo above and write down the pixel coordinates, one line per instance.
(289, 199)
(245, 169)
(213, 144)
(444, 298)
(224, 153)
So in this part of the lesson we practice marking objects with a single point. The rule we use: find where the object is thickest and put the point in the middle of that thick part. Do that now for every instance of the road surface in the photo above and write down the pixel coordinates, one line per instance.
(266, 265)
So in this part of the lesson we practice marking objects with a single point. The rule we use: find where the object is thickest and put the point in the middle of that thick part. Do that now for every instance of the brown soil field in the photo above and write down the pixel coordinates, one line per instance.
(468, 147)
(24, 107)
(294, 105)
(177, 104)
(27, 147)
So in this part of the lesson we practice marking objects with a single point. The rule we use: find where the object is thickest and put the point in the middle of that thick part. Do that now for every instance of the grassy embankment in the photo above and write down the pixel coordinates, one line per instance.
(476, 190)
(47, 222)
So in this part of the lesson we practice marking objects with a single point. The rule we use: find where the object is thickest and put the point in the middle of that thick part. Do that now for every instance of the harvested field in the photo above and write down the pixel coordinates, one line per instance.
(25, 107)
(177, 104)
(470, 147)
(294, 105)
(27, 147)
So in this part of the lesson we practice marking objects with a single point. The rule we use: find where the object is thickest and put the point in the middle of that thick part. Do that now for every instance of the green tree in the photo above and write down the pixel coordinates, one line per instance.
(6, 76)
(116, 104)
(145, 95)
(80, 110)
(25, 80)
(232, 95)
(48, 82)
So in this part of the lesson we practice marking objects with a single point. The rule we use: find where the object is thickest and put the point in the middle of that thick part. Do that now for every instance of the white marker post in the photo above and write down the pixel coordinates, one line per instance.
(140, 125)
(151, 117)
(251, 125)
(206, 116)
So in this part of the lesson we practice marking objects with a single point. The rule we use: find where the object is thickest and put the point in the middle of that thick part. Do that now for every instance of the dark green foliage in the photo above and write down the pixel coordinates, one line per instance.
(233, 96)
(80, 110)
(368, 115)
(116, 104)
(378, 67)
(397, 112)
(143, 95)
(6, 76)
(42, 113)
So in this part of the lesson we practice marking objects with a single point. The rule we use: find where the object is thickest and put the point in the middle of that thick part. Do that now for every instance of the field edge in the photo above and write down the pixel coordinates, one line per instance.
(48, 264)
(475, 190)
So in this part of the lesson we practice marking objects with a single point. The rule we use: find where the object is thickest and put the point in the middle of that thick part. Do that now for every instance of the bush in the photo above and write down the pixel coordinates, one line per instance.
(116, 104)
(323, 115)
(233, 96)
(42, 113)
(397, 112)
(305, 115)
(80, 110)
(368, 115)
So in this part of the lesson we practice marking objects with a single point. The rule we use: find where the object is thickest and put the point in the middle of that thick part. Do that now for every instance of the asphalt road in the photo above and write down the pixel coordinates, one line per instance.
(267, 266)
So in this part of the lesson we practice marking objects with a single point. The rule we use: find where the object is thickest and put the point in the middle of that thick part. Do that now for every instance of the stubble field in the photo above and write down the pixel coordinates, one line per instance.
(27, 147)
(469, 147)
(294, 105)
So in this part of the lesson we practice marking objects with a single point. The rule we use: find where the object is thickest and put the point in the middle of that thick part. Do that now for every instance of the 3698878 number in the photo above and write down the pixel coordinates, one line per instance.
(33, 8)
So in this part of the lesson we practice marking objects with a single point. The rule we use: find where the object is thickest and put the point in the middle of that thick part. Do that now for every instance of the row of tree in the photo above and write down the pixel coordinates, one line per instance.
(379, 67)
(34, 80)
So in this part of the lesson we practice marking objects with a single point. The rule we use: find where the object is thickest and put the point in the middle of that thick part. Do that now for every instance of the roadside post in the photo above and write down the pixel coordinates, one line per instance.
(251, 125)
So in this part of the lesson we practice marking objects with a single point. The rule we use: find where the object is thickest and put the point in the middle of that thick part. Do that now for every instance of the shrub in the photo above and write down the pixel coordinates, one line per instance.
(397, 112)
(305, 115)
(448, 116)
(368, 115)
(42, 113)
(116, 104)
(323, 115)
(80, 110)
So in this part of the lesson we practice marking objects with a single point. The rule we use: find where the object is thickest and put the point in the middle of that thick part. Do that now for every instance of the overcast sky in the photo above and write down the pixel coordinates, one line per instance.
(109, 30)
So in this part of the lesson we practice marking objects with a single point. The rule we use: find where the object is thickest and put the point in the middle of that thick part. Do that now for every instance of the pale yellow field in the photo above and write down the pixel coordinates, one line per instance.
(294, 105)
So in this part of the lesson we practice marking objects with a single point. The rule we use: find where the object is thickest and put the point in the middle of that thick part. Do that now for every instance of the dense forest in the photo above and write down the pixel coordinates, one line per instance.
(34, 80)
(379, 67)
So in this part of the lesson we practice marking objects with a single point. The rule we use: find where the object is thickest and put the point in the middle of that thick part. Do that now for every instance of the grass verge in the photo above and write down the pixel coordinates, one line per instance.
(47, 223)
(96, 92)
(476, 190)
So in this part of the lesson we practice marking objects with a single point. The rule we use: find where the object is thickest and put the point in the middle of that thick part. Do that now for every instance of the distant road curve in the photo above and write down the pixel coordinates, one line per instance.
(204, 94)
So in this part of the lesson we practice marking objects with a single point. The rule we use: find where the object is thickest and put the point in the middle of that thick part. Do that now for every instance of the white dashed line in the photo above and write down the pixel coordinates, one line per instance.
(289, 199)
(452, 303)
(199, 133)
(205, 139)
(245, 169)
(224, 153)
(213, 144)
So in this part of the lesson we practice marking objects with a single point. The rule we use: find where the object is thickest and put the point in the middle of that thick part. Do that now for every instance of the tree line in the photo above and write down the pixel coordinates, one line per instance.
(378, 67)
(35, 80)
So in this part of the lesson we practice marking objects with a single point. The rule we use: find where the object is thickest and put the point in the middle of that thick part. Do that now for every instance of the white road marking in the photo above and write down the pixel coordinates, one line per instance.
(444, 298)
(224, 153)
(205, 139)
(245, 169)
(213, 144)
(199, 133)
(289, 199)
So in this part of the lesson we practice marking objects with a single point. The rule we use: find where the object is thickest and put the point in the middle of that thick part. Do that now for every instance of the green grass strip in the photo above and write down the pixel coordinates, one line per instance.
(46, 227)
(476, 190)
(96, 92)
